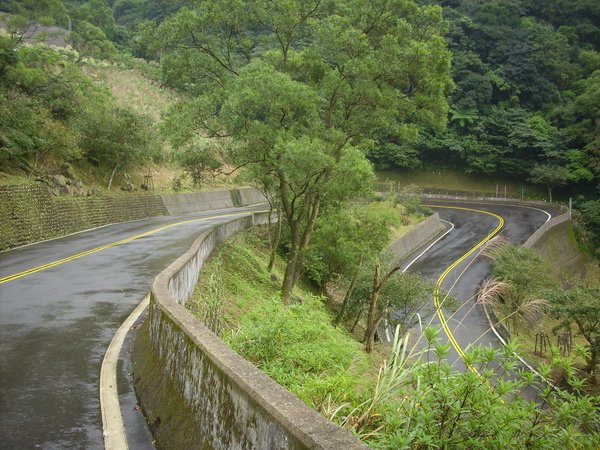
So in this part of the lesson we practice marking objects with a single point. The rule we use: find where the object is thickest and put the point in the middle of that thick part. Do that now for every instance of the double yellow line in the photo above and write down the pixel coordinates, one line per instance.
(440, 280)
(112, 244)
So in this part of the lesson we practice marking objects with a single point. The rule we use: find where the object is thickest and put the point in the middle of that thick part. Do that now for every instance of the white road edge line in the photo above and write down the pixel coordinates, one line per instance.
(387, 327)
(112, 420)
(431, 245)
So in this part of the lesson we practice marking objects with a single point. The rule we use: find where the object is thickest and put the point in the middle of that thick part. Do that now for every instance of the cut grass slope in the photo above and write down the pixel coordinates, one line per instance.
(449, 181)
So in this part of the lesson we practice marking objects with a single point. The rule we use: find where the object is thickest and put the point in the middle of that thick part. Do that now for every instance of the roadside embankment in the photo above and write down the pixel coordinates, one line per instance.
(198, 393)
(556, 242)
(30, 213)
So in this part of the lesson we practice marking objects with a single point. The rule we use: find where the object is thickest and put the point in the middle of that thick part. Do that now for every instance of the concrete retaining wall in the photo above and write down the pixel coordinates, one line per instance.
(417, 237)
(555, 241)
(198, 393)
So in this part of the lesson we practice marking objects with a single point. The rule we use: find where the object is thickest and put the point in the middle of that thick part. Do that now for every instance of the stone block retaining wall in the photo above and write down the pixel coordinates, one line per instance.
(30, 213)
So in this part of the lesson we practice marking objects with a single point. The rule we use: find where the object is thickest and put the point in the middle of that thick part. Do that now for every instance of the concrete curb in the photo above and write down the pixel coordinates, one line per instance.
(112, 420)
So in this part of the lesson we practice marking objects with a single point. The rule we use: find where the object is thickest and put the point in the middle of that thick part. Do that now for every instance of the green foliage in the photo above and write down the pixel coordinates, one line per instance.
(522, 268)
(199, 160)
(91, 41)
(579, 305)
(418, 400)
(525, 93)
(303, 90)
(52, 114)
(516, 291)
(347, 238)
(115, 137)
(440, 407)
(587, 218)
(297, 346)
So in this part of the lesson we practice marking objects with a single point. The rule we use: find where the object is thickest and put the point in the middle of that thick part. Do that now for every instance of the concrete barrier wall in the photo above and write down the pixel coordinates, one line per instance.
(178, 204)
(420, 235)
(505, 200)
(197, 392)
(250, 196)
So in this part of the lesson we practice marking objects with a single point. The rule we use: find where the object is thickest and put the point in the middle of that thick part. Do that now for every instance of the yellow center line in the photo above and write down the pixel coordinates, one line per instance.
(112, 244)
(440, 280)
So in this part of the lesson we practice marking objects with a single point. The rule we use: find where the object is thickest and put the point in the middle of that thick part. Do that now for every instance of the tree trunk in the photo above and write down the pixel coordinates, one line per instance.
(274, 242)
(593, 362)
(287, 285)
(298, 245)
(370, 331)
(349, 292)
(112, 175)
(358, 316)
(374, 317)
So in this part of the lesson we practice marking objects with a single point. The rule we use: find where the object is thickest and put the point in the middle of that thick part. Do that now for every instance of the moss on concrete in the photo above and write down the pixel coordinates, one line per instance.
(559, 246)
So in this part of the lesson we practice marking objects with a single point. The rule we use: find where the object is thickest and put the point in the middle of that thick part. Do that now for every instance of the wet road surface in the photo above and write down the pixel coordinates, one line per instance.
(56, 324)
(468, 323)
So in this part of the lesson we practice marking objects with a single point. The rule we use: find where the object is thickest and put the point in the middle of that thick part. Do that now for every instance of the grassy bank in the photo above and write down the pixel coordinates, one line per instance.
(296, 345)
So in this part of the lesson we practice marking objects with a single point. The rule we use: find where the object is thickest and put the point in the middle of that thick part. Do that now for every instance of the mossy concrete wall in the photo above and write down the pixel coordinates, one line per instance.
(421, 234)
(30, 213)
(198, 393)
(556, 242)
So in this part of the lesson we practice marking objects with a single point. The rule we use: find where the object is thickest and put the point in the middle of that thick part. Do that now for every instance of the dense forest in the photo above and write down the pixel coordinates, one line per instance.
(526, 83)
(523, 101)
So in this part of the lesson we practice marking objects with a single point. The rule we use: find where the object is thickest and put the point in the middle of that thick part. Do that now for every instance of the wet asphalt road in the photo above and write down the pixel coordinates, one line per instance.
(468, 323)
(56, 324)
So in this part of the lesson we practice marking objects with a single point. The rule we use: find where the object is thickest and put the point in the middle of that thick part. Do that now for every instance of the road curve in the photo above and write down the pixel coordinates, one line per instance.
(473, 223)
(56, 323)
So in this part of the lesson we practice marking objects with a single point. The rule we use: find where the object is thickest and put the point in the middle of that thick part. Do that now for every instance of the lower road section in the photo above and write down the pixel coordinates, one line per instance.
(456, 263)
(61, 302)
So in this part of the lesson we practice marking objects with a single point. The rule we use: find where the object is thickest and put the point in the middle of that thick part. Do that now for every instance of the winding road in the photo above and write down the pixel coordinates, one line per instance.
(456, 264)
(61, 301)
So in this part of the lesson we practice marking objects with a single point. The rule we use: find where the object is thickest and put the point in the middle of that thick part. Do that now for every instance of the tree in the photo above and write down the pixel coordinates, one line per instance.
(89, 40)
(549, 175)
(580, 305)
(345, 241)
(199, 159)
(382, 292)
(116, 138)
(303, 88)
